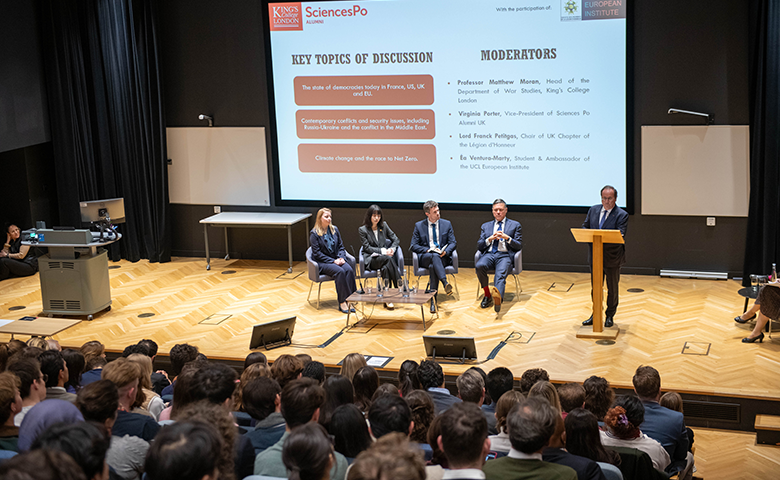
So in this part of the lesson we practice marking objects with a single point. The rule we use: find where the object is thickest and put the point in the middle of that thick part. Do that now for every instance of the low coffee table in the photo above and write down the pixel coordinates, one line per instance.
(395, 296)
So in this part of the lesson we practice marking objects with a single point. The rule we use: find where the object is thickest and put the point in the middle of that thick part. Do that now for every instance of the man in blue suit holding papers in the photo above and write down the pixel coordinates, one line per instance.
(434, 241)
(498, 243)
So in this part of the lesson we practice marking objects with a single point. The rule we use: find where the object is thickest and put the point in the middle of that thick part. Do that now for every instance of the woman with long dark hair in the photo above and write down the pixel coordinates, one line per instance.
(366, 382)
(307, 453)
(583, 439)
(350, 431)
(374, 236)
(16, 260)
(338, 392)
(407, 377)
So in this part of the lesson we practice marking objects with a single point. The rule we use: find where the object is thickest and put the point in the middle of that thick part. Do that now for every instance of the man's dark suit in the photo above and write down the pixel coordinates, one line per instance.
(614, 253)
(586, 468)
(431, 260)
(667, 427)
(501, 262)
(442, 401)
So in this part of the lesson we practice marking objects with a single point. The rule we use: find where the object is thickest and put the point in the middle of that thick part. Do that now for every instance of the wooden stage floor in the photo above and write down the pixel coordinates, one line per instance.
(684, 328)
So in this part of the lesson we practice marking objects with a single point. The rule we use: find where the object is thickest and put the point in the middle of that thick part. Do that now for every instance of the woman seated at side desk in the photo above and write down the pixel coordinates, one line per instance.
(374, 234)
(767, 307)
(16, 260)
(328, 251)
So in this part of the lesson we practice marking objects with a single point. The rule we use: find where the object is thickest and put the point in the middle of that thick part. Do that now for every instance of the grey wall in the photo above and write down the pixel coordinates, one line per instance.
(684, 56)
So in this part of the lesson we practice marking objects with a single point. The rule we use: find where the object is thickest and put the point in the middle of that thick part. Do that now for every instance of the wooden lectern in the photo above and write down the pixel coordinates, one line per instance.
(598, 238)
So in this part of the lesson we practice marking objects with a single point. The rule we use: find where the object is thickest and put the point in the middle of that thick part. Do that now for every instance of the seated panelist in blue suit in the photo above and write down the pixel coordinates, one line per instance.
(434, 241)
(498, 242)
(328, 251)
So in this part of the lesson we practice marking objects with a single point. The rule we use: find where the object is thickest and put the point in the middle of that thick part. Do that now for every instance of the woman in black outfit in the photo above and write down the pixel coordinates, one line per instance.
(374, 234)
(16, 260)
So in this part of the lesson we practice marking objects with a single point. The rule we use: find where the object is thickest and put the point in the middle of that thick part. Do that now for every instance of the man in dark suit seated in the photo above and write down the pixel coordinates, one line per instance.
(464, 441)
(432, 381)
(663, 425)
(499, 240)
(608, 216)
(434, 241)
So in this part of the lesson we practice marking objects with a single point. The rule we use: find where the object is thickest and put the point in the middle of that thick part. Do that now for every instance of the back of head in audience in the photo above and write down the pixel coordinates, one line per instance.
(315, 370)
(214, 382)
(625, 417)
(28, 352)
(488, 400)
(531, 423)
(180, 355)
(430, 375)
(29, 373)
(135, 348)
(464, 433)
(547, 391)
(124, 374)
(499, 381)
(305, 358)
(471, 387)
(182, 393)
(351, 364)
(53, 344)
(349, 430)
(338, 392)
(672, 401)
(572, 395)
(98, 402)
(144, 363)
(84, 442)
(307, 453)
(94, 355)
(53, 366)
(255, 357)
(49, 465)
(215, 415)
(391, 457)
(38, 342)
(185, 451)
(75, 362)
(151, 347)
(365, 382)
(260, 397)
(286, 368)
(434, 432)
(390, 414)
(504, 405)
(647, 383)
(385, 389)
(598, 395)
(301, 401)
(583, 438)
(407, 377)
(10, 399)
(42, 416)
(15, 346)
(423, 411)
(252, 372)
(530, 377)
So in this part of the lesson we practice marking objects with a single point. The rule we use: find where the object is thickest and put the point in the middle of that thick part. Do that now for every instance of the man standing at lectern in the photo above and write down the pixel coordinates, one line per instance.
(608, 216)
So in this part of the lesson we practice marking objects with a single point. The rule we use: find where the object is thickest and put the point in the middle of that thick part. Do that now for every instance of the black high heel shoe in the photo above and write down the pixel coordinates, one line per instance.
(759, 338)
(738, 319)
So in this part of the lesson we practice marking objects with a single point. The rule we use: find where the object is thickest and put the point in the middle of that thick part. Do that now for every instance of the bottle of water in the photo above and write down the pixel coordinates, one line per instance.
(773, 278)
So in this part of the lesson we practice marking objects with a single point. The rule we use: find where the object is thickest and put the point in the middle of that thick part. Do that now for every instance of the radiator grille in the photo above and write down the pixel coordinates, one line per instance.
(724, 412)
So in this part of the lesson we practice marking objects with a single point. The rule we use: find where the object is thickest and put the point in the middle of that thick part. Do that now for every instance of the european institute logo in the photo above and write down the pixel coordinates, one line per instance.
(285, 16)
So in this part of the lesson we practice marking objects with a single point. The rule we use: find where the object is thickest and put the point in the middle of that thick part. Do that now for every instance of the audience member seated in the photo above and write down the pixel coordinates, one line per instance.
(75, 362)
(438, 461)
(531, 423)
(663, 425)
(56, 372)
(571, 395)
(16, 260)
(315, 370)
(464, 441)
(623, 422)
(499, 381)
(286, 368)
(390, 414)
(391, 457)
(530, 377)
(44, 415)
(546, 390)
(253, 372)
(180, 355)
(124, 375)
(500, 442)
(49, 465)
(262, 401)
(10, 405)
(94, 361)
(185, 451)
(255, 357)
(159, 378)
(583, 439)
(598, 396)
(365, 381)
(407, 377)
(673, 401)
(152, 402)
(432, 381)
(351, 364)
(32, 387)
(305, 358)
(84, 442)
(98, 402)
(181, 391)
(385, 389)
(350, 431)
(471, 387)
(338, 392)
(301, 402)
(38, 342)
(421, 406)
(307, 453)
(556, 452)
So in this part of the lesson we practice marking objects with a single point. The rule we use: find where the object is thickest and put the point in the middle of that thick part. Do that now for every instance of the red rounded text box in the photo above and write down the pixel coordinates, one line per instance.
(372, 158)
(365, 124)
(364, 90)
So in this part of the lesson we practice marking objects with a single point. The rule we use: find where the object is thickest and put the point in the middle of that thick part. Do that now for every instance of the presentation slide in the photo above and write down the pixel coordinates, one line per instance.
(457, 101)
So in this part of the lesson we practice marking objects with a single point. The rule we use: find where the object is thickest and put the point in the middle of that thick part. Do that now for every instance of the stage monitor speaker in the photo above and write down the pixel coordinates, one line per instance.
(461, 348)
(274, 334)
